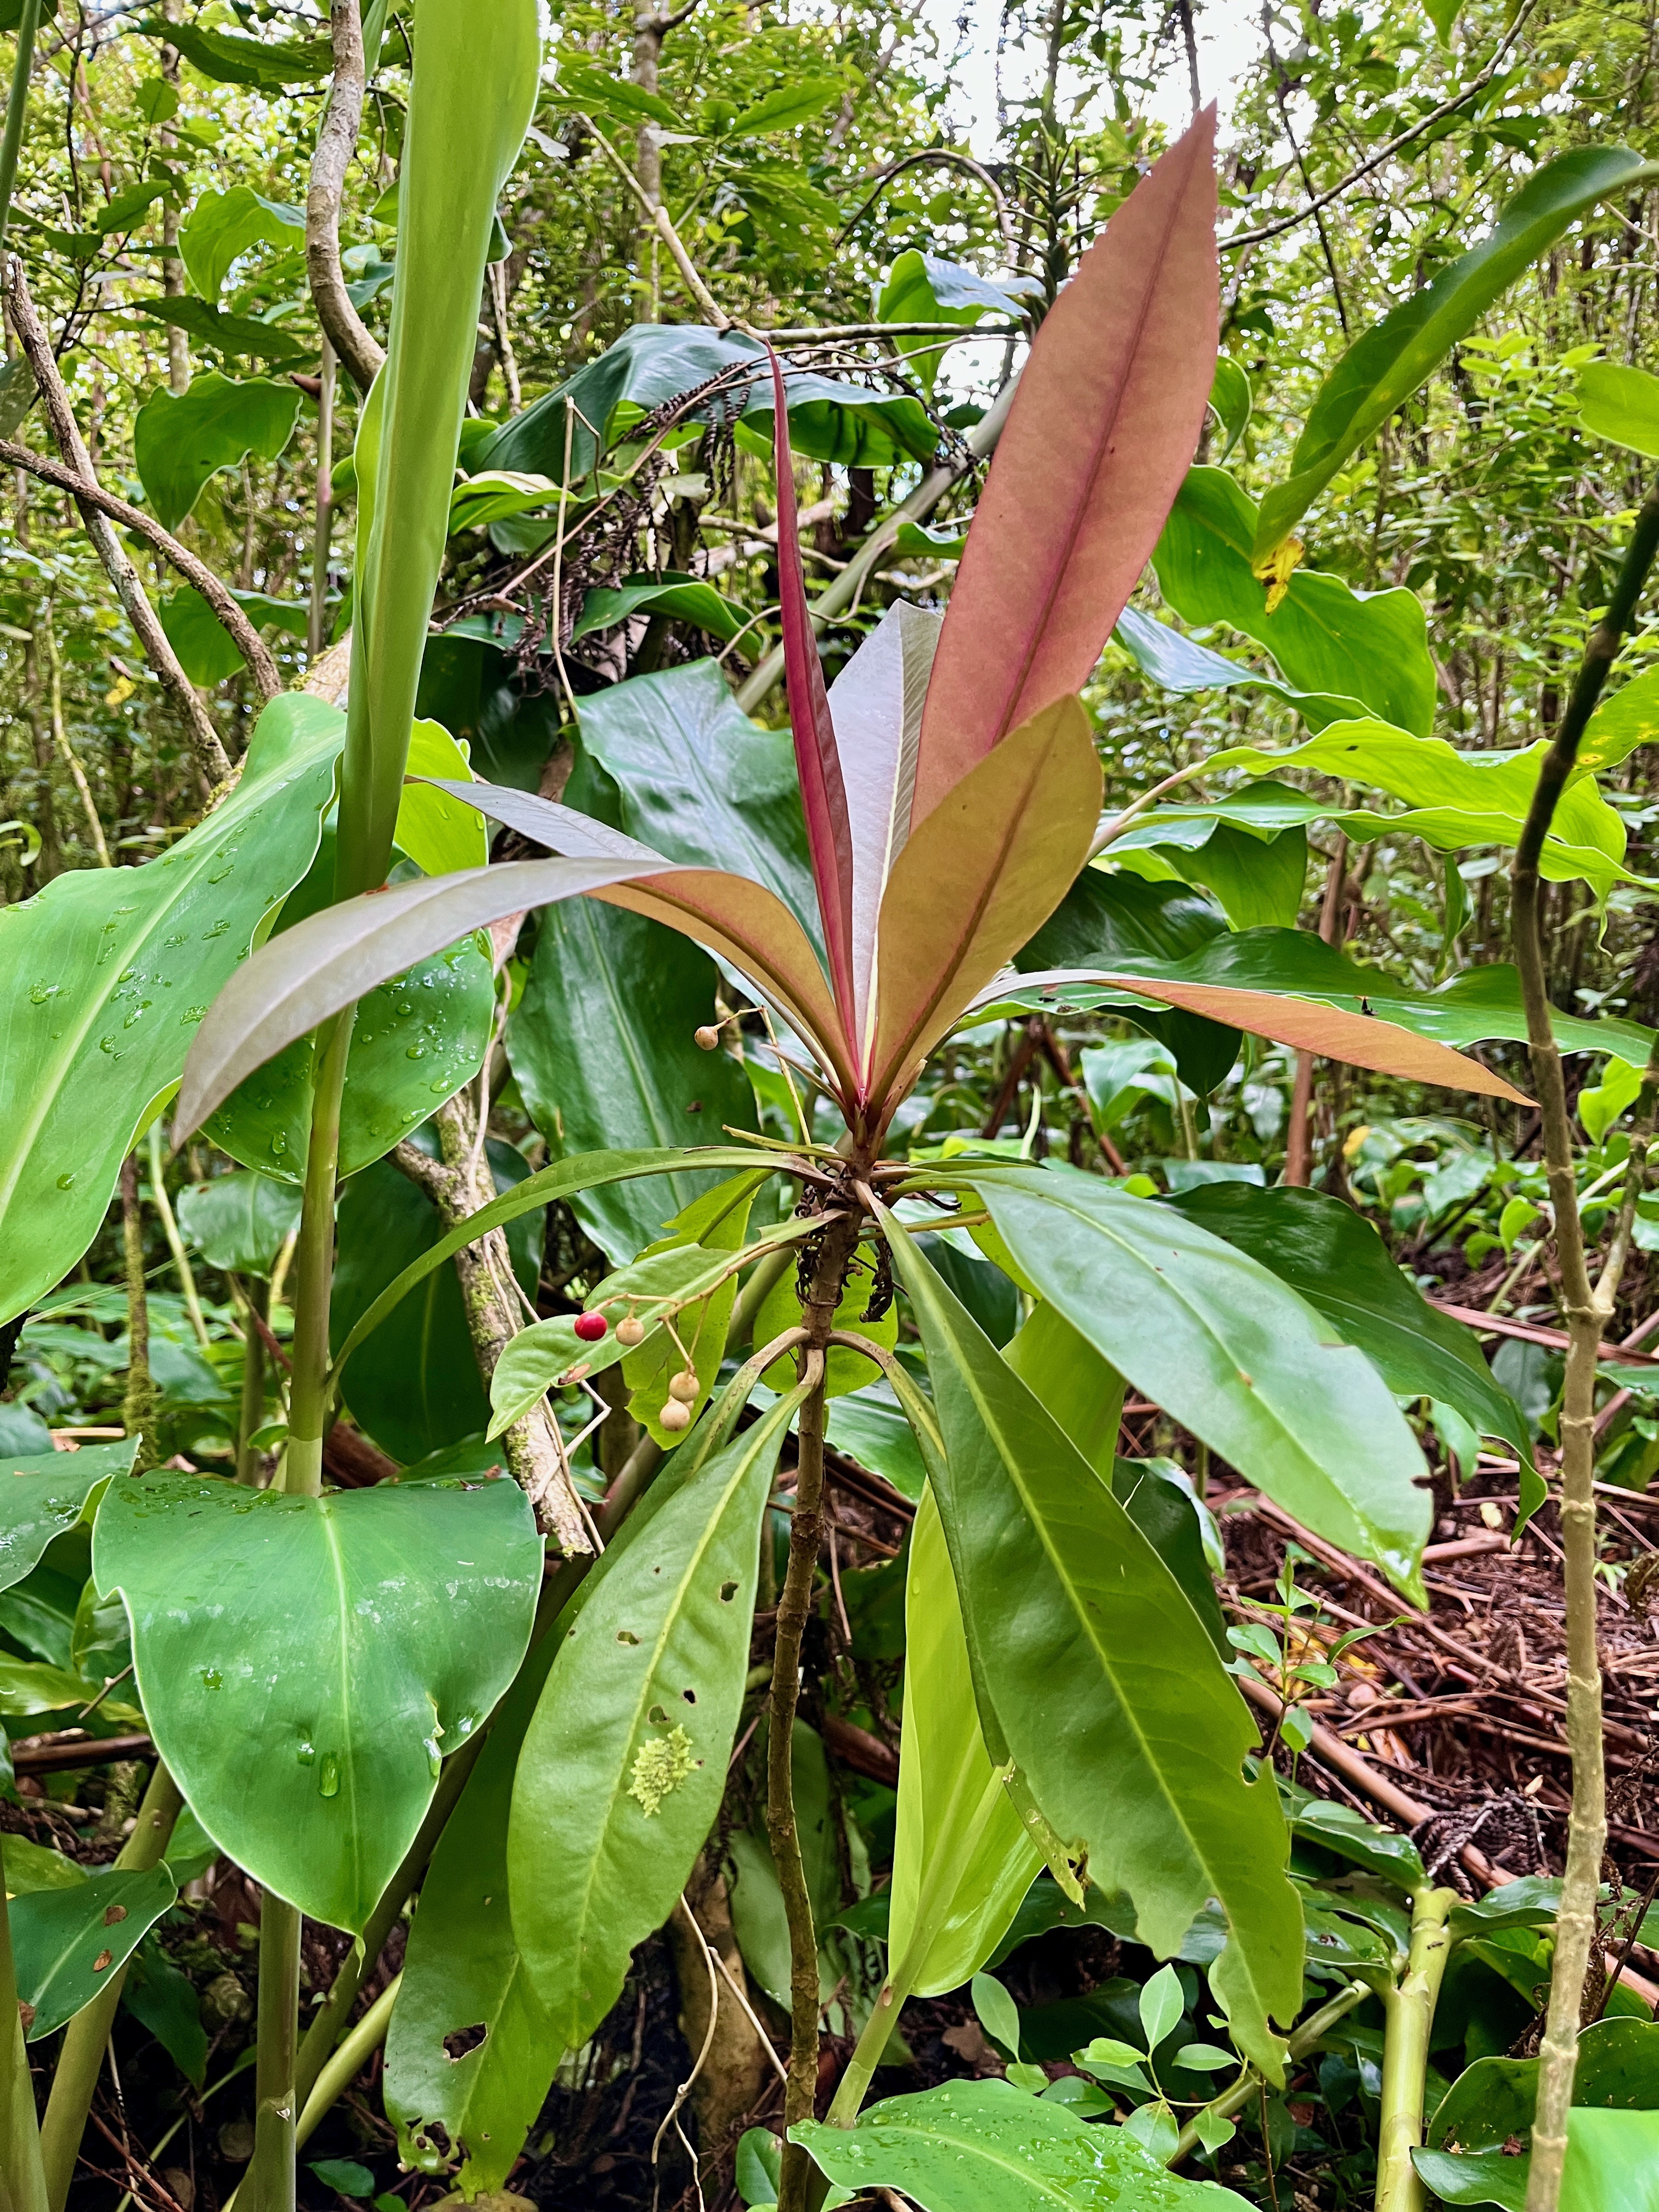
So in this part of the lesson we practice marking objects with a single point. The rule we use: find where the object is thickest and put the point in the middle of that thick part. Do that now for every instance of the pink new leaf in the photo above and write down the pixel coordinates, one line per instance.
(1103, 426)
(824, 793)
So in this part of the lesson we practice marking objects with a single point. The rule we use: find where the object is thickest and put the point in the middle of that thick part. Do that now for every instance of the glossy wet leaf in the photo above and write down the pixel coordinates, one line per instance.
(440, 832)
(1326, 638)
(462, 1971)
(625, 1763)
(1617, 2070)
(1103, 424)
(43, 1493)
(988, 2147)
(1482, 2177)
(180, 439)
(1621, 403)
(961, 1859)
(1232, 1352)
(602, 1044)
(67, 1942)
(1103, 1684)
(113, 969)
(680, 598)
(307, 1662)
(1383, 367)
(1335, 1258)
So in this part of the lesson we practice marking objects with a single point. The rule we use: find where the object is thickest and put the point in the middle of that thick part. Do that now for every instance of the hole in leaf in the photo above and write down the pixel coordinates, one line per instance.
(658, 1718)
(438, 2135)
(460, 2041)
(626, 1636)
(690, 1697)
(728, 1591)
(113, 1913)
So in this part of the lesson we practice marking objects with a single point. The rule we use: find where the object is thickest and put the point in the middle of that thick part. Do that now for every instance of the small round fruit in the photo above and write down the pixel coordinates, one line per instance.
(631, 1331)
(708, 1037)
(674, 1416)
(591, 1326)
(684, 1386)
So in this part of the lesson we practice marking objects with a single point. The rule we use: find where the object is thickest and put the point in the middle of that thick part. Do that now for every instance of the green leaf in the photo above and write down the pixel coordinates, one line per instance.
(1381, 369)
(1455, 799)
(1231, 400)
(923, 289)
(180, 439)
(603, 1044)
(613, 95)
(713, 1226)
(961, 1859)
(1618, 2069)
(1104, 1685)
(236, 336)
(684, 599)
(462, 1971)
(67, 1942)
(43, 1494)
(414, 1384)
(115, 967)
(475, 83)
(1230, 1350)
(439, 833)
(221, 228)
(225, 58)
(163, 1999)
(1335, 1259)
(1258, 882)
(1161, 2004)
(1613, 2158)
(986, 2147)
(30, 1867)
(787, 106)
(1180, 664)
(207, 651)
(1326, 638)
(1620, 404)
(307, 1662)
(623, 1767)
(346, 2175)
(998, 2015)
(1486, 2177)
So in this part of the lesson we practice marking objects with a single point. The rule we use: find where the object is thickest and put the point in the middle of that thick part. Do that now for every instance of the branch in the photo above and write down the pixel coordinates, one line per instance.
(657, 216)
(947, 155)
(1312, 207)
(66, 436)
(337, 142)
(218, 595)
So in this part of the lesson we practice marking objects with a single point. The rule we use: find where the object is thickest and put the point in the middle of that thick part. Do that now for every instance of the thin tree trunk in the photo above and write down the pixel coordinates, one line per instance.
(1299, 1140)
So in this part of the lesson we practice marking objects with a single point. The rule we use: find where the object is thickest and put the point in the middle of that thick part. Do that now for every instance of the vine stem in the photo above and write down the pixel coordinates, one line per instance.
(805, 1535)
(1587, 1307)
(1408, 2008)
(22, 2178)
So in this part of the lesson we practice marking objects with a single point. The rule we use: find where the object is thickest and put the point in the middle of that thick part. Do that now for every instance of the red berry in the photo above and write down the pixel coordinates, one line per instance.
(591, 1326)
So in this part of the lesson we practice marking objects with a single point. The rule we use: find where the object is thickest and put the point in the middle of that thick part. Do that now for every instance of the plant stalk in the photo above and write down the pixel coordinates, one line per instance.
(1409, 2007)
(269, 2186)
(158, 1191)
(87, 2037)
(28, 24)
(313, 1264)
(1238, 2093)
(138, 1401)
(336, 2077)
(794, 1607)
(253, 1410)
(22, 2177)
(1587, 1308)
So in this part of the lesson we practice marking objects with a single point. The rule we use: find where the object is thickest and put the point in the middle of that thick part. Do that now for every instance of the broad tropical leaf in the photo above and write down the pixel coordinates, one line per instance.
(1180, 664)
(221, 228)
(1105, 1687)
(69, 1941)
(334, 958)
(1383, 368)
(306, 1663)
(988, 2147)
(625, 1763)
(1227, 1348)
(961, 1859)
(43, 1494)
(112, 969)
(1103, 426)
(180, 440)
(1335, 1258)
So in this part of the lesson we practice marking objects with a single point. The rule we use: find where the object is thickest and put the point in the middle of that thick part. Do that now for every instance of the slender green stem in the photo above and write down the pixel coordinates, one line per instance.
(22, 2177)
(158, 1191)
(336, 2077)
(313, 1264)
(86, 2038)
(28, 23)
(269, 2186)
(1586, 1307)
(1409, 2007)
(139, 1401)
(1233, 2098)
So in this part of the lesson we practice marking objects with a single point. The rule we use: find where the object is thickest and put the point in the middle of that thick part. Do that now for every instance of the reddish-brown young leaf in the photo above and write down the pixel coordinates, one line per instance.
(1361, 1040)
(1101, 431)
(977, 878)
(823, 794)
